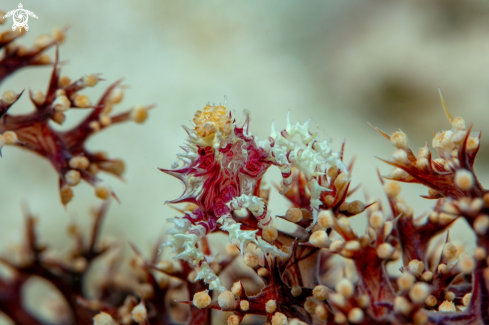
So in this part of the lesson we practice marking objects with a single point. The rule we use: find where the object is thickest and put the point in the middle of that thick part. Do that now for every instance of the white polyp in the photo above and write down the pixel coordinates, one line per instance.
(61, 103)
(10, 137)
(184, 244)
(139, 114)
(398, 174)
(90, 80)
(399, 139)
(103, 319)
(464, 179)
(9, 97)
(400, 156)
(319, 239)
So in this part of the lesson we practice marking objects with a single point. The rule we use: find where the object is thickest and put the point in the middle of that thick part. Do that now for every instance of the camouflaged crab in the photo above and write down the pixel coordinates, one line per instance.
(222, 166)
(317, 271)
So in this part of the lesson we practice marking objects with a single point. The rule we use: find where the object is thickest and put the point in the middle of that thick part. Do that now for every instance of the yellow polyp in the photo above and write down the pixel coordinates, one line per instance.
(212, 119)
(447, 113)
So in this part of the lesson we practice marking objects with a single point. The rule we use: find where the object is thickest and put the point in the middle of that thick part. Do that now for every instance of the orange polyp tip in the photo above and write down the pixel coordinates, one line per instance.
(211, 119)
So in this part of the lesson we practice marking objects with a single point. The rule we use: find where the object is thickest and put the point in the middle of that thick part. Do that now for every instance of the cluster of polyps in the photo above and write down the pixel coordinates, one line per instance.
(222, 166)
(429, 283)
(449, 175)
(64, 149)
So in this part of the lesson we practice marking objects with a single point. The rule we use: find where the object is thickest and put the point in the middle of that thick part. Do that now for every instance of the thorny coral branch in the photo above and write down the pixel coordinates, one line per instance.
(64, 149)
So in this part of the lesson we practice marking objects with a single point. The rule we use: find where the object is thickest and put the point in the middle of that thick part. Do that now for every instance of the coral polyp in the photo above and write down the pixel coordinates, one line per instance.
(212, 119)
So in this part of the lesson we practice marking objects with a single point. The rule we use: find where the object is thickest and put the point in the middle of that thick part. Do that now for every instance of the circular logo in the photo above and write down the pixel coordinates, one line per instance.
(20, 17)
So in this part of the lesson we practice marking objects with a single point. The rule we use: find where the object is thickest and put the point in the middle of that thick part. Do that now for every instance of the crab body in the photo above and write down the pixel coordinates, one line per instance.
(214, 176)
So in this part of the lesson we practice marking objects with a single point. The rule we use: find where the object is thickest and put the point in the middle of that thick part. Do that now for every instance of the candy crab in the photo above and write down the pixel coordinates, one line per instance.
(222, 166)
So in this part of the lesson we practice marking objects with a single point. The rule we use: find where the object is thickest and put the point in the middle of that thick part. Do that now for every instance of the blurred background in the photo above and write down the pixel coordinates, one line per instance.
(340, 63)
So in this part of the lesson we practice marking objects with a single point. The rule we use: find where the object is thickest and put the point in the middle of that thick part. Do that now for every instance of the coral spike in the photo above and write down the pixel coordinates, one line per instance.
(445, 109)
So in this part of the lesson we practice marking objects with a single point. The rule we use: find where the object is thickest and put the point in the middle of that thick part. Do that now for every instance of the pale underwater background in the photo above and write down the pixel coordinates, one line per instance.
(340, 63)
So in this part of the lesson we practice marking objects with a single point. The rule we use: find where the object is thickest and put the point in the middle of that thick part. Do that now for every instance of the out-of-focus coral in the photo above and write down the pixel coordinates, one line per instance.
(64, 149)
